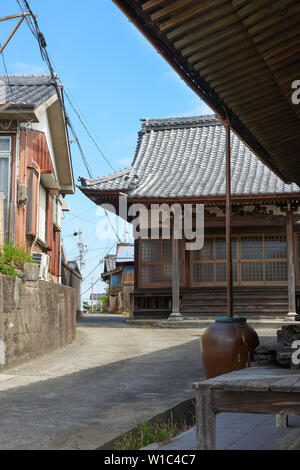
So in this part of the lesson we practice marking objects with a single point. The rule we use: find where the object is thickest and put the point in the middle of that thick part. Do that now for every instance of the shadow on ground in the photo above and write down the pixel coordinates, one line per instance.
(102, 320)
(83, 410)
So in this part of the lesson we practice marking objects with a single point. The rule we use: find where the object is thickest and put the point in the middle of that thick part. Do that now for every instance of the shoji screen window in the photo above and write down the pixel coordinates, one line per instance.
(156, 262)
(263, 259)
(257, 259)
(209, 264)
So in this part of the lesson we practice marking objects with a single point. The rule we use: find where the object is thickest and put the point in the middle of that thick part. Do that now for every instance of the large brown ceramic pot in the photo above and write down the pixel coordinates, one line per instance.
(228, 345)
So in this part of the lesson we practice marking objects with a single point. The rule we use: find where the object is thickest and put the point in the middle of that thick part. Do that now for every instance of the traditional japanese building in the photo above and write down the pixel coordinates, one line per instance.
(182, 160)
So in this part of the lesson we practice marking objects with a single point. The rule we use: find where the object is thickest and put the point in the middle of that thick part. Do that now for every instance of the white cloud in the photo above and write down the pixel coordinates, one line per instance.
(198, 107)
(171, 74)
(125, 161)
(22, 68)
(195, 107)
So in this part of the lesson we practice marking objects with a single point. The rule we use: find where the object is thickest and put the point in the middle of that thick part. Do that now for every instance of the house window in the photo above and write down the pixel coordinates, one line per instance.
(156, 262)
(257, 259)
(57, 212)
(5, 162)
(42, 233)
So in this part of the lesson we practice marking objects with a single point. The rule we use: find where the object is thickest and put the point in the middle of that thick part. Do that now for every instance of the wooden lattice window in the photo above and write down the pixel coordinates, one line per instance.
(257, 259)
(263, 258)
(156, 262)
(209, 264)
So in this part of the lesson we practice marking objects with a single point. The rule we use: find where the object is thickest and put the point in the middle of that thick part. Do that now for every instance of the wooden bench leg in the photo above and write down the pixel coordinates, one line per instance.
(282, 420)
(206, 420)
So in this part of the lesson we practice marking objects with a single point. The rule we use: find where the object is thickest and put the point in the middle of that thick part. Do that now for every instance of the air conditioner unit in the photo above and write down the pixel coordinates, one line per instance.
(43, 260)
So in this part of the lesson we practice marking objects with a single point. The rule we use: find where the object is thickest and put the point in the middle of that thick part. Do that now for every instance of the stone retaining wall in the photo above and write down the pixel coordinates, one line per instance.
(36, 317)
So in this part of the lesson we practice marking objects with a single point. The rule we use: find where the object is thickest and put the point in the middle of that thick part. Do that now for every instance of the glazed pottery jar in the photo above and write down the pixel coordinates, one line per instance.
(228, 345)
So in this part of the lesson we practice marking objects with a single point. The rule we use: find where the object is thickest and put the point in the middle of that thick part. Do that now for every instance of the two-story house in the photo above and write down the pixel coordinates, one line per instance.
(35, 164)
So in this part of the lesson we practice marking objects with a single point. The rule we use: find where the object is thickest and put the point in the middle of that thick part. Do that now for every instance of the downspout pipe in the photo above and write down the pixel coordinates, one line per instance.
(37, 205)
(16, 183)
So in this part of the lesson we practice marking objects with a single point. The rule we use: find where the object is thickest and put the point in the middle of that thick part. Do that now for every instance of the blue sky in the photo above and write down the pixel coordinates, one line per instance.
(115, 77)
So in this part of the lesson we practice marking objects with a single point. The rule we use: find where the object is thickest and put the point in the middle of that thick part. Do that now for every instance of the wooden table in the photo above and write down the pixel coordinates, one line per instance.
(259, 389)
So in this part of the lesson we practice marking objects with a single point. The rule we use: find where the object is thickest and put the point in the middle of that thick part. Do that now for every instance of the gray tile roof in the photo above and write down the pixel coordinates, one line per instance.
(26, 90)
(182, 157)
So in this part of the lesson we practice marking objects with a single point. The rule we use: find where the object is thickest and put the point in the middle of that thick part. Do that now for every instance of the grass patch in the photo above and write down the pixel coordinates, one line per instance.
(13, 258)
(153, 432)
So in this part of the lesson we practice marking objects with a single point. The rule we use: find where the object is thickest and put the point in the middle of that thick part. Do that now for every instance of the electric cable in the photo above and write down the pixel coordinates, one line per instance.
(44, 53)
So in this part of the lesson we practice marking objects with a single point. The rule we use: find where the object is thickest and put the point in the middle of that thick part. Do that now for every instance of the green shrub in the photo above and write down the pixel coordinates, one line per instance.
(149, 432)
(104, 299)
(13, 258)
(7, 270)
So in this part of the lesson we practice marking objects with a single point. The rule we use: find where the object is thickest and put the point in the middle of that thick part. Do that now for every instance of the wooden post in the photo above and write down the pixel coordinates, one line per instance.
(175, 315)
(23, 16)
(291, 266)
(206, 420)
(282, 420)
(228, 223)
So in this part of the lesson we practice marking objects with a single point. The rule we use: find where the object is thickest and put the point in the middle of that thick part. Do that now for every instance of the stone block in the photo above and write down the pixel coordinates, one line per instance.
(31, 272)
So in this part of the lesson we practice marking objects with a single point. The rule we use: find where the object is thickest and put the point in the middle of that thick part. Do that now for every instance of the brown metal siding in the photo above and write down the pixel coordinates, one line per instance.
(37, 150)
(55, 255)
(31, 210)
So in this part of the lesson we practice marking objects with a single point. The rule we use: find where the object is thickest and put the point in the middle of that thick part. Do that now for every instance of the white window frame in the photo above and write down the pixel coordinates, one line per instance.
(57, 212)
(7, 155)
(42, 228)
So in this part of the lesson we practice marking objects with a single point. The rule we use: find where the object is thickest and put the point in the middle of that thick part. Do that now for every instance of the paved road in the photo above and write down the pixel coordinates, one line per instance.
(111, 378)
(102, 320)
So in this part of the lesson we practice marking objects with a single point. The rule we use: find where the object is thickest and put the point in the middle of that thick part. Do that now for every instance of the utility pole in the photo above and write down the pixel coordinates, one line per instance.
(92, 287)
(22, 17)
(126, 232)
(82, 249)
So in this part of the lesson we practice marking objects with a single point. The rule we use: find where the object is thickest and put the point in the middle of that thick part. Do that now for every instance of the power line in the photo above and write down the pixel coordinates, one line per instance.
(13, 96)
(81, 218)
(100, 262)
(69, 219)
(23, 9)
(96, 223)
(34, 27)
(99, 279)
(88, 124)
(93, 270)
(88, 132)
(44, 53)
(85, 160)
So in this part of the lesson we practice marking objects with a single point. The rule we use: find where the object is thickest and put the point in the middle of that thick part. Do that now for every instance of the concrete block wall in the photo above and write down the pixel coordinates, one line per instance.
(36, 317)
